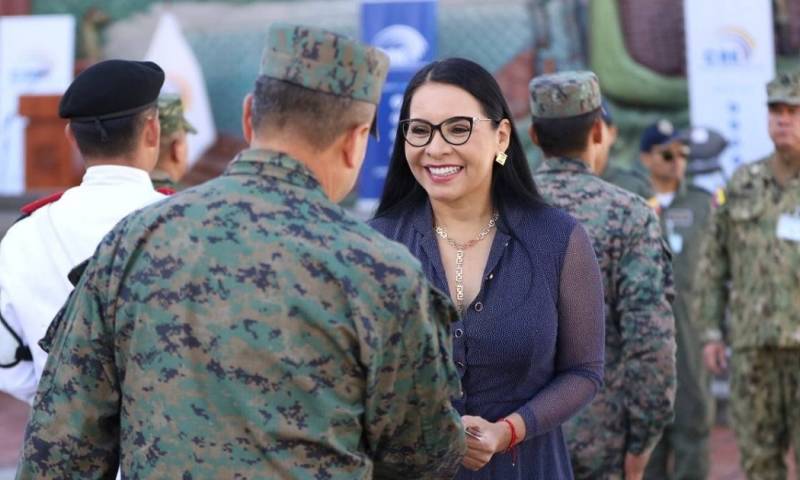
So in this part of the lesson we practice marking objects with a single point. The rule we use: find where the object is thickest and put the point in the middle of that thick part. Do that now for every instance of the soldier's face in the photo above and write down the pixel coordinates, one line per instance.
(667, 162)
(455, 173)
(784, 126)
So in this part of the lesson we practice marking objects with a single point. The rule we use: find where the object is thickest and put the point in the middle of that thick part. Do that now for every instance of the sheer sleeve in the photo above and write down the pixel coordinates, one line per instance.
(581, 341)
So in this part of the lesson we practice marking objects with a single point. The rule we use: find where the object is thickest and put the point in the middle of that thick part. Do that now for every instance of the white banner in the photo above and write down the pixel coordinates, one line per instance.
(36, 57)
(172, 52)
(730, 58)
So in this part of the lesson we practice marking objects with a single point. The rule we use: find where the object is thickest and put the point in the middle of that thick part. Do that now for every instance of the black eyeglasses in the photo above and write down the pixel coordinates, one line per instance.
(454, 130)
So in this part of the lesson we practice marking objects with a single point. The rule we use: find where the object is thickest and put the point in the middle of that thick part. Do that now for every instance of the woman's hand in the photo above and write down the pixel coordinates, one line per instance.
(492, 438)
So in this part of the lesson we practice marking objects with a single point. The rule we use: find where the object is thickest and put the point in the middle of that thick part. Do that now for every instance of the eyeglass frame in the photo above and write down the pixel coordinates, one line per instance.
(435, 127)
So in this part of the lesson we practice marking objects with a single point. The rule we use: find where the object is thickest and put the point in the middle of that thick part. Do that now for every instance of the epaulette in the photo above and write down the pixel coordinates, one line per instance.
(28, 209)
(165, 190)
(653, 203)
(37, 204)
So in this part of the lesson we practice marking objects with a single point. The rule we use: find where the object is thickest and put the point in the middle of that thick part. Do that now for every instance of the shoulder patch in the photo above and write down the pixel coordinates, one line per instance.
(37, 204)
(719, 198)
(654, 204)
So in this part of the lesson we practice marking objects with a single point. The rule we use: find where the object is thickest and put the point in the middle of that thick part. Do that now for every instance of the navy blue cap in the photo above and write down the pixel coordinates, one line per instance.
(656, 134)
(605, 113)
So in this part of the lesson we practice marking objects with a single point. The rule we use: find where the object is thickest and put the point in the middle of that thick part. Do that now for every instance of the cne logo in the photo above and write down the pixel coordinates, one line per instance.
(734, 48)
(404, 45)
(33, 68)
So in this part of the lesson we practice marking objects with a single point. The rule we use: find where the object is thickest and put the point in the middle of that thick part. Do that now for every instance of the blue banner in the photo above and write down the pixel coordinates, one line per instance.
(406, 31)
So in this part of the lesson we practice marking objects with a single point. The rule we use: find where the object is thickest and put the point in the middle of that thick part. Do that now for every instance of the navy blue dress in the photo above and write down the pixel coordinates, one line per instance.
(532, 341)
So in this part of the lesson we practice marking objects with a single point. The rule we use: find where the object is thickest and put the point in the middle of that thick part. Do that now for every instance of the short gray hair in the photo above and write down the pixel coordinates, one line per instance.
(319, 118)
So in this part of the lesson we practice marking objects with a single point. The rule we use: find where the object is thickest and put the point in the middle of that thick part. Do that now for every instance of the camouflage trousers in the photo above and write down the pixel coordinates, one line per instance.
(765, 407)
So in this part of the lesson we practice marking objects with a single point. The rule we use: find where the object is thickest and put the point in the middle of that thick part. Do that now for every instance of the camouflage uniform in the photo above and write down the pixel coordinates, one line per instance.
(629, 179)
(250, 328)
(636, 403)
(684, 222)
(170, 115)
(749, 265)
(161, 180)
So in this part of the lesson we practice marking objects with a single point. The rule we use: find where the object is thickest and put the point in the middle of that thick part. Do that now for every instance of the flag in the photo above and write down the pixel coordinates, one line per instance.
(170, 50)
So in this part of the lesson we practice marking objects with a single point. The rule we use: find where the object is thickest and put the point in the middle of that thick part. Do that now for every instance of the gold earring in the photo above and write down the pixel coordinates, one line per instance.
(500, 158)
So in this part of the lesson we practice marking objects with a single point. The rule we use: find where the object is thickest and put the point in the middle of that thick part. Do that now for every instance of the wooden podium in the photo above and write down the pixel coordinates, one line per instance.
(50, 162)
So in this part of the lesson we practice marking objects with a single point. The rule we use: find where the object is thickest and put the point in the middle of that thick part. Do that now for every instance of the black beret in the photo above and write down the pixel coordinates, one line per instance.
(112, 89)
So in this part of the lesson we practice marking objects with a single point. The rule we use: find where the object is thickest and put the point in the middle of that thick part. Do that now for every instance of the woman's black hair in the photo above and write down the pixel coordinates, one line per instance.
(512, 183)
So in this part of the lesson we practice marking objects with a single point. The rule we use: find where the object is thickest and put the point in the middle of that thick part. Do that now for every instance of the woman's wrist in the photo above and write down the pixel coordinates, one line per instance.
(504, 436)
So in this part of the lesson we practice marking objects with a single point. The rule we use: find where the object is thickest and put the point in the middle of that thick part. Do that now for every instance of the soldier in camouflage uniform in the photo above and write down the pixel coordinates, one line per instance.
(249, 327)
(749, 265)
(629, 179)
(684, 210)
(173, 155)
(615, 434)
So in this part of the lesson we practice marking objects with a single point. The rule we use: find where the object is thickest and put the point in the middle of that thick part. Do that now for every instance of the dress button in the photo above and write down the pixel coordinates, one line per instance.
(460, 364)
(458, 333)
(491, 276)
(478, 307)
(461, 393)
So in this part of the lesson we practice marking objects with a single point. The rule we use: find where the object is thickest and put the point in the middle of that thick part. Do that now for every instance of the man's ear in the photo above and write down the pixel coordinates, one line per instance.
(152, 131)
(597, 132)
(533, 135)
(247, 118)
(354, 145)
(70, 136)
(174, 150)
(644, 159)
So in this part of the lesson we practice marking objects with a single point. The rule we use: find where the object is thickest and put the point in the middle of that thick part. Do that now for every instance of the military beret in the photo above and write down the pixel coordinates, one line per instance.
(111, 89)
(705, 146)
(324, 61)
(785, 88)
(656, 134)
(170, 114)
(565, 94)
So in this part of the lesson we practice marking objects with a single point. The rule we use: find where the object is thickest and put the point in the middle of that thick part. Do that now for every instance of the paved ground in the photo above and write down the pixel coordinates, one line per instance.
(13, 414)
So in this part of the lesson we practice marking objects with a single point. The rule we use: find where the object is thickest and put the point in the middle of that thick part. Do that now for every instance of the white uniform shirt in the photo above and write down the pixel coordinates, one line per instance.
(38, 252)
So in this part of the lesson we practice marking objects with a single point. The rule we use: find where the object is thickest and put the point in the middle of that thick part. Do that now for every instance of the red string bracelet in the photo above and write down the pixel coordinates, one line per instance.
(512, 443)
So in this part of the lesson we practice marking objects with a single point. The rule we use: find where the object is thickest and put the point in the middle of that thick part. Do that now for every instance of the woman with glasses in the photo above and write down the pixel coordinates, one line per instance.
(528, 344)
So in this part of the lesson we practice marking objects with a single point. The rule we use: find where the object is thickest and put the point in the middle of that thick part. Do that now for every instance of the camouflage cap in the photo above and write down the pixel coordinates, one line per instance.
(324, 61)
(170, 114)
(785, 88)
(565, 94)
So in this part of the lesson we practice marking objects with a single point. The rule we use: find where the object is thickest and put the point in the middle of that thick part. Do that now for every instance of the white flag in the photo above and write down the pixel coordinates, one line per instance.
(170, 50)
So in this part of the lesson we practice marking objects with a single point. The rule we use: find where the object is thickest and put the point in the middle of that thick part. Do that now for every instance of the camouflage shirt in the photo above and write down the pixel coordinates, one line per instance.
(248, 328)
(162, 180)
(746, 265)
(636, 403)
(630, 179)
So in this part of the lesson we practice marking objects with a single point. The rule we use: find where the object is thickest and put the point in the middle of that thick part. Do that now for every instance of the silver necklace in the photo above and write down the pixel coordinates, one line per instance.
(460, 247)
